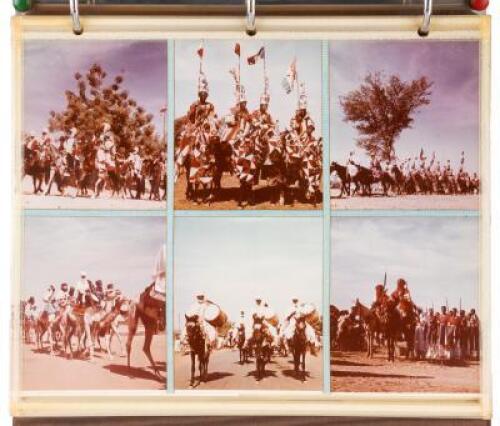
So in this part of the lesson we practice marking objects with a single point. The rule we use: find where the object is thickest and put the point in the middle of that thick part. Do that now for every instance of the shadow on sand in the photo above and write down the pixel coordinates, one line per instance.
(352, 363)
(267, 373)
(297, 376)
(135, 372)
(336, 373)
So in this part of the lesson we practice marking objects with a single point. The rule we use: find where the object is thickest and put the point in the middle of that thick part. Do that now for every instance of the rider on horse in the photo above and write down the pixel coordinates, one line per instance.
(196, 313)
(258, 318)
(293, 314)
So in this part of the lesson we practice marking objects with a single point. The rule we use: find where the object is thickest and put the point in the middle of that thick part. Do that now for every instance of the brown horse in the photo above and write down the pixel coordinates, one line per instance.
(199, 345)
(371, 324)
(35, 167)
(298, 346)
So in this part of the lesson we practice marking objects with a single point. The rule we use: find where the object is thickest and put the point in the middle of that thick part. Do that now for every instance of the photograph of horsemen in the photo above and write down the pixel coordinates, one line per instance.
(253, 321)
(404, 313)
(405, 125)
(247, 127)
(93, 305)
(94, 125)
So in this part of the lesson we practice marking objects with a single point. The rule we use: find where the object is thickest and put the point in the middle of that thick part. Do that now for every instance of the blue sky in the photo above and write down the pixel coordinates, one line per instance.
(117, 250)
(220, 58)
(49, 68)
(438, 257)
(449, 125)
(235, 259)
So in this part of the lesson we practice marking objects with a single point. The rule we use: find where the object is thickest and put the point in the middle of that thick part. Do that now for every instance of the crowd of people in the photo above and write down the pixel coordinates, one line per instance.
(410, 176)
(78, 164)
(452, 334)
(278, 333)
(88, 310)
(248, 145)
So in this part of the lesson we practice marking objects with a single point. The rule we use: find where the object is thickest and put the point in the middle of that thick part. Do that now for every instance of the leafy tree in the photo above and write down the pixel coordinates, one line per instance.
(96, 102)
(381, 108)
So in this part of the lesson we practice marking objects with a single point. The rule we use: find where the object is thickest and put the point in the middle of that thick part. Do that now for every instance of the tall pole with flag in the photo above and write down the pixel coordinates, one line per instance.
(237, 51)
(200, 52)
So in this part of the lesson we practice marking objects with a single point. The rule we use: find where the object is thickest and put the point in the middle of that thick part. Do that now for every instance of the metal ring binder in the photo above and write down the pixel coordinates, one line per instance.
(75, 16)
(426, 21)
(250, 17)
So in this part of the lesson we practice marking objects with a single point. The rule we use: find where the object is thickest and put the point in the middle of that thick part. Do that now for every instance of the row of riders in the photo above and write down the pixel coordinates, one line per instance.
(258, 334)
(407, 177)
(448, 335)
(75, 319)
(91, 163)
(250, 146)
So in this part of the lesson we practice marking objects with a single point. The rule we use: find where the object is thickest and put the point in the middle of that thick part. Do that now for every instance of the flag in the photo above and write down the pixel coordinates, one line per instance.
(290, 78)
(261, 54)
(201, 50)
(237, 49)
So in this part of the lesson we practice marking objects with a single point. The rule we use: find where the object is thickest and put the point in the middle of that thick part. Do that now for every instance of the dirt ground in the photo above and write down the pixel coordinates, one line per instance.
(42, 371)
(226, 373)
(105, 201)
(227, 198)
(407, 202)
(353, 372)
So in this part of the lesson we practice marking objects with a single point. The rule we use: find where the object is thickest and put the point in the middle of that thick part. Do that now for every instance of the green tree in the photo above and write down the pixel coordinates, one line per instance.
(96, 102)
(381, 108)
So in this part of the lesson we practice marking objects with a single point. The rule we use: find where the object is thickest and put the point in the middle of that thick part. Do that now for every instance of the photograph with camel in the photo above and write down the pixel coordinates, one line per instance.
(405, 125)
(248, 124)
(404, 306)
(94, 125)
(248, 304)
(92, 308)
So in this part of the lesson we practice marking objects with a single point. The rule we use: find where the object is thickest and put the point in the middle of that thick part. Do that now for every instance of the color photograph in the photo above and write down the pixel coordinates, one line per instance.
(94, 125)
(248, 304)
(93, 304)
(404, 313)
(405, 125)
(248, 125)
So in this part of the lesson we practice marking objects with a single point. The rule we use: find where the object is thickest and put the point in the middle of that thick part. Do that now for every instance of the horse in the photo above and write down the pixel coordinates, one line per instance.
(298, 345)
(365, 178)
(200, 347)
(371, 325)
(345, 178)
(390, 324)
(34, 166)
(240, 343)
(261, 344)
(151, 313)
(408, 324)
(335, 314)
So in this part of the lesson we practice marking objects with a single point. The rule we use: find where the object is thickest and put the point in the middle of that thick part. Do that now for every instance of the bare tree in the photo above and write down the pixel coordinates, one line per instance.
(381, 108)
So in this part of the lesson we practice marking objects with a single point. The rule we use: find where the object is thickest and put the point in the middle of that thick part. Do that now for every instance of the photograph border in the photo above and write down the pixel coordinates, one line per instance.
(252, 402)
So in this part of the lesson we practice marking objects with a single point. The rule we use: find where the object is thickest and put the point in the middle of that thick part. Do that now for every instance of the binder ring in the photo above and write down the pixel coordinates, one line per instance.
(75, 16)
(250, 17)
(426, 20)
